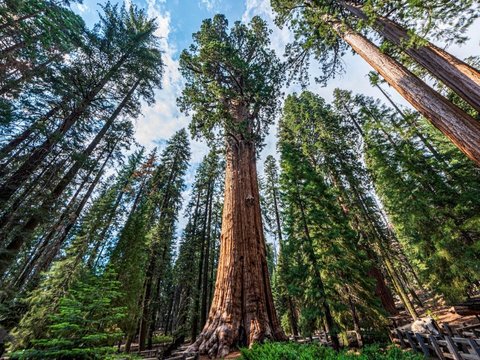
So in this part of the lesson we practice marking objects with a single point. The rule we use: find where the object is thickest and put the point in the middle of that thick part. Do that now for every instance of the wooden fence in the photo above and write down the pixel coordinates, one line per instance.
(439, 346)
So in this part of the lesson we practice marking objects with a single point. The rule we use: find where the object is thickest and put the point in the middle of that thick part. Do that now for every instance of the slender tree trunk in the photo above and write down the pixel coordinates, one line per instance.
(292, 313)
(382, 291)
(26, 271)
(355, 319)
(418, 133)
(11, 251)
(27, 75)
(242, 310)
(12, 144)
(456, 74)
(329, 322)
(10, 217)
(454, 123)
(399, 287)
(201, 262)
(203, 308)
(72, 172)
(150, 276)
(17, 46)
(39, 154)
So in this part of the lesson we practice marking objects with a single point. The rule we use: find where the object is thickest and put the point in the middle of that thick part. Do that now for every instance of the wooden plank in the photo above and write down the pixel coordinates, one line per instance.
(411, 341)
(436, 347)
(423, 346)
(403, 345)
(469, 356)
(452, 348)
(448, 329)
(475, 348)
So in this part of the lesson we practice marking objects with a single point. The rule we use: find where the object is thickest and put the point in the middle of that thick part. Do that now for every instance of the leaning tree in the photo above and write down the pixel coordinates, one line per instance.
(233, 85)
(326, 29)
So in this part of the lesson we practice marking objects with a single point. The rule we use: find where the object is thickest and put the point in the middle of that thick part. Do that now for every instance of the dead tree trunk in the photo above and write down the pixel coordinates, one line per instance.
(242, 310)
(454, 123)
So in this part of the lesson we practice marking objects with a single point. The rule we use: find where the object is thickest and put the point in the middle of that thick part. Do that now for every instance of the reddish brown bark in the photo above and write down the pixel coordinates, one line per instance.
(455, 124)
(242, 310)
(382, 291)
(453, 72)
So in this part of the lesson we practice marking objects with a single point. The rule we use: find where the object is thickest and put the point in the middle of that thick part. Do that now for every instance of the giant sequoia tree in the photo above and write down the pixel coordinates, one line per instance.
(232, 83)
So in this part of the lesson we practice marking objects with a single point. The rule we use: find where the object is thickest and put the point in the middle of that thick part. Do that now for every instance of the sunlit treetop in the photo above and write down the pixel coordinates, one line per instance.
(233, 80)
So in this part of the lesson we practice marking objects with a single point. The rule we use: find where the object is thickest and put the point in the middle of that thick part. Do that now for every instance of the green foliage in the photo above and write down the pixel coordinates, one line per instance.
(294, 351)
(84, 324)
(324, 258)
(204, 208)
(314, 36)
(233, 79)
(148, 232)
(429, 190)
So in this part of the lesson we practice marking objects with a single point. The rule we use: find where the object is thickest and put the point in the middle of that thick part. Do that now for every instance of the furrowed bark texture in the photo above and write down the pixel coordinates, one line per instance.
(242, 310)
(453, 72)
(454, 123)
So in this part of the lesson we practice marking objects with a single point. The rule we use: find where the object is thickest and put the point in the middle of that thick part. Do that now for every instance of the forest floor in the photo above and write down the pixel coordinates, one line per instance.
(438, 310)
(432, 307)
(231, 356)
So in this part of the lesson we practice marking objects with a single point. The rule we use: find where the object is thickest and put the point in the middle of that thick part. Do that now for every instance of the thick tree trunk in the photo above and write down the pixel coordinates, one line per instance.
(454, 123)
(382, 291)
(242, 310)
(453, 72)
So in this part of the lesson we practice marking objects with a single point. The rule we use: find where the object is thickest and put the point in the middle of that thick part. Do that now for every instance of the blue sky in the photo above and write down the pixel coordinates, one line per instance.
(178, 19)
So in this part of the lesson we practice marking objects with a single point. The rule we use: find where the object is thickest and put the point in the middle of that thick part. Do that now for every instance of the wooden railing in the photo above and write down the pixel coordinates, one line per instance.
(439, 346)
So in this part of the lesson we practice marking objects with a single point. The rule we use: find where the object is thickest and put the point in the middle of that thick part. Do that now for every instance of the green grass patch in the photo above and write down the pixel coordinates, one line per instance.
(294, 351)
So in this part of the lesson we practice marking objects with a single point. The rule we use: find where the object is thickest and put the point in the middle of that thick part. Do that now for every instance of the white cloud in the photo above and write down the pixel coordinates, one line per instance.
(209, 4)
(82, 8)
(163, 119)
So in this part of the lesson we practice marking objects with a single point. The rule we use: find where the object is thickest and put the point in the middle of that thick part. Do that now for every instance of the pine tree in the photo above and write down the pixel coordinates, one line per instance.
(145, 242)
(84, 323)
(131, 42)
(274, 225)
(401, 164)
(165, 205)
(140, 73)
(320, 237)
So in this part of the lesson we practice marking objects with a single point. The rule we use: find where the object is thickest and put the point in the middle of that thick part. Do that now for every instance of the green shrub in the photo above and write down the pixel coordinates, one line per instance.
(162, 339)
(294, 351)
(84, 325)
